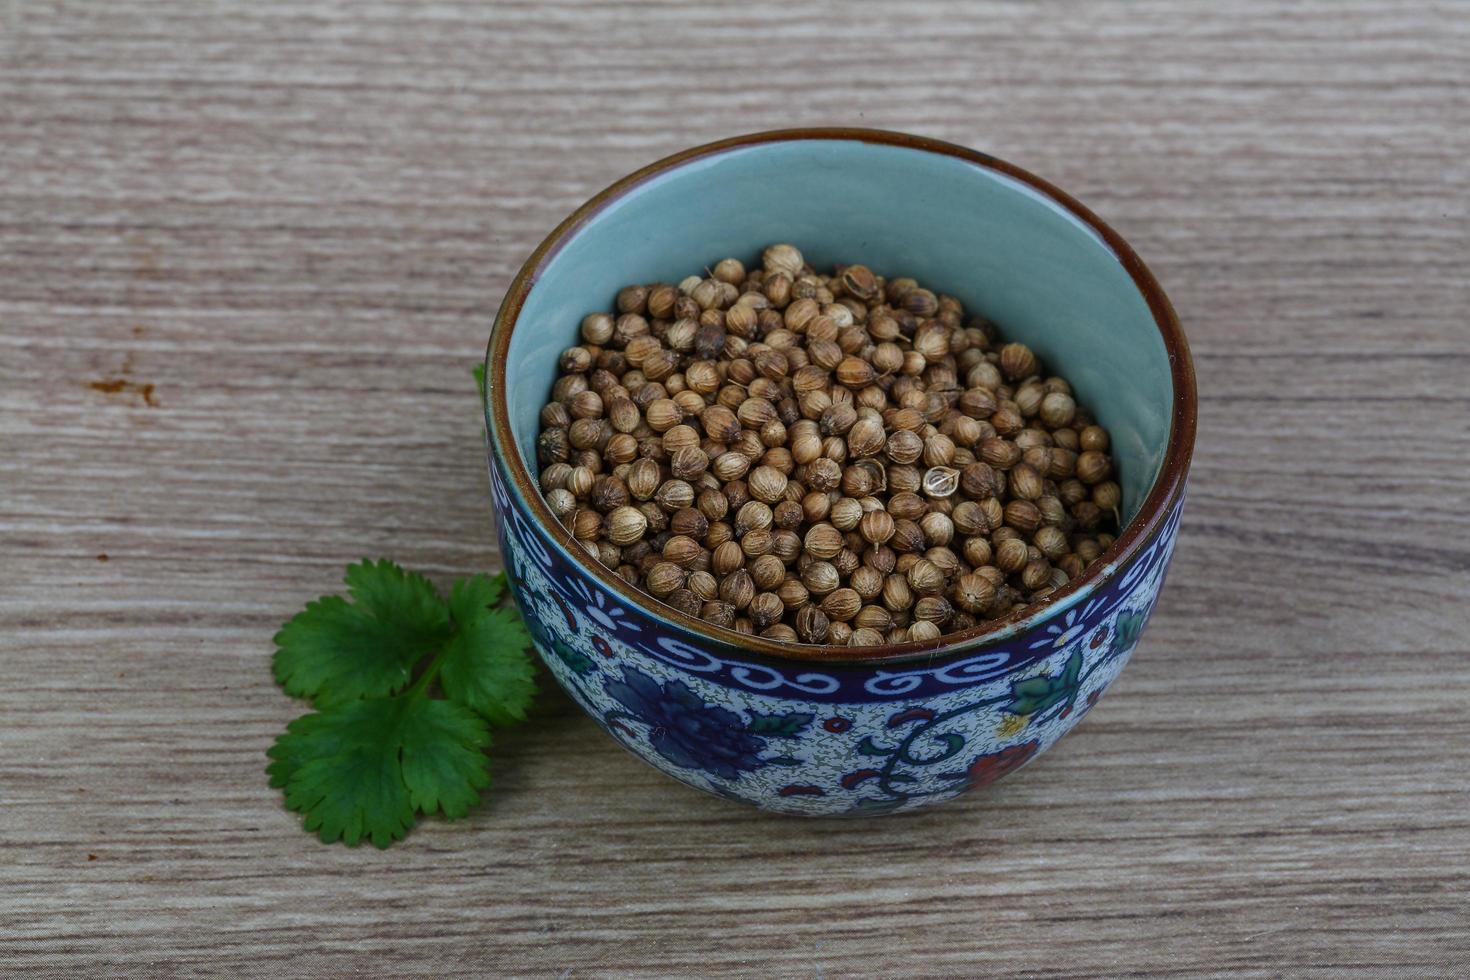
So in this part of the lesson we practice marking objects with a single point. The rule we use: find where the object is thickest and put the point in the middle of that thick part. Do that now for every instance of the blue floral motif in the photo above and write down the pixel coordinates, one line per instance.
(686, 731)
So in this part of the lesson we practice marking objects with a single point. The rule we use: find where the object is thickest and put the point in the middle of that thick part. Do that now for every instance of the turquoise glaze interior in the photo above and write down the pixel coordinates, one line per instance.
(1002, 248)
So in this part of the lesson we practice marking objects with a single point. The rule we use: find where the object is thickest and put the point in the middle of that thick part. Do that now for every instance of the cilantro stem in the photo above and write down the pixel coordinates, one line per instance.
(427, 677)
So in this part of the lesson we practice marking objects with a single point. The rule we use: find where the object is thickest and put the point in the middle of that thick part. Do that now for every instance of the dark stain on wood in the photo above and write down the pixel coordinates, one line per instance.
(117, 386)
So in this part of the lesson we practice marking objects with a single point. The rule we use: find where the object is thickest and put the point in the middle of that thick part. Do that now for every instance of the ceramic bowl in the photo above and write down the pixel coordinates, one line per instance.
(834, 730)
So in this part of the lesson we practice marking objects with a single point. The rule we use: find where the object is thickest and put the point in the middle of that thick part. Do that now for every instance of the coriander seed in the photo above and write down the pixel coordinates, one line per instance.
(703, 585)
(1107, 495)
(664, 578)
(820, 578)
(1036, 574)
(738, 589)
(1093, 466)
(841, 605)
(1094, 438)
(923, 631)
(1051, 542)
(933, 609)
(1011, 555)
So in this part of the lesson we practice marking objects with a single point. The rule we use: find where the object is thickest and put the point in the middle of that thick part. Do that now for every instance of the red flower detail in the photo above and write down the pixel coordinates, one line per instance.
(913, 714)
(837, 725)
(566, 610)
(1088, 703)
(603, 647)
(988, 768)
(1098, 637)
(854, 779)
(1065, 711)
(797, 789)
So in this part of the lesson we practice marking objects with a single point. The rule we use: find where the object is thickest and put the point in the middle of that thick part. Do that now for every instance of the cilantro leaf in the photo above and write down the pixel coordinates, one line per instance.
(473, 596)
(485, 667)
(444, 765)
(378, 750)
(361, 769)
(397, 596)
(334, 651)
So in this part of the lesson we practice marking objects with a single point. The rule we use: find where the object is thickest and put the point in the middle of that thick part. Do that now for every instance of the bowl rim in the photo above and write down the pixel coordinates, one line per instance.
(1167, 487)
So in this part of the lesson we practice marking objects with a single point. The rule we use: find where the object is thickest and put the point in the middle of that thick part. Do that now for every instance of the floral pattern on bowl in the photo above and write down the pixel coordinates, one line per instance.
(818, 738)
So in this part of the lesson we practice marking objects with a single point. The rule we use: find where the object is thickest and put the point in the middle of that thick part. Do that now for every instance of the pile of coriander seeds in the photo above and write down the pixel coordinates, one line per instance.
(836, 459)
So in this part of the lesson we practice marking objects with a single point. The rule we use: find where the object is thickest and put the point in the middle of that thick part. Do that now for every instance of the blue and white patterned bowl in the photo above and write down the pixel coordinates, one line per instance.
(831, 730)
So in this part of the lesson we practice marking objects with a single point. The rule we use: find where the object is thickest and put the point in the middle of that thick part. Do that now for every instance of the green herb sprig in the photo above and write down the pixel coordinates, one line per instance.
(406, 687)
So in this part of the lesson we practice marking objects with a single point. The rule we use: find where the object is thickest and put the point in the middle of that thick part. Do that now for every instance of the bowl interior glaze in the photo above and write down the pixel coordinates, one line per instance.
(1001, 247)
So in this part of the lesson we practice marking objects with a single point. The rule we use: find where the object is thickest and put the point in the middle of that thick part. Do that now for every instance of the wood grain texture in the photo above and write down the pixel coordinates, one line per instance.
(295, 220)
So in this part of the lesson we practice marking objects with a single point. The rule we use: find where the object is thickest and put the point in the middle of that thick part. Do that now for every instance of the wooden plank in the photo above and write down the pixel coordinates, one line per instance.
(295, 219)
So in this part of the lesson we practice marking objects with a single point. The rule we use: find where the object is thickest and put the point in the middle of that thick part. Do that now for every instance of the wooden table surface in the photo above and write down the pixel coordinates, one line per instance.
(249, 253)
